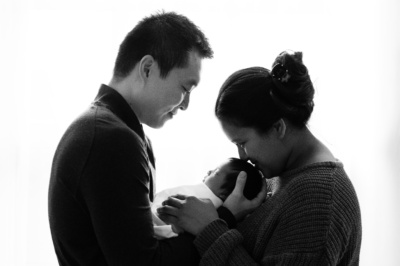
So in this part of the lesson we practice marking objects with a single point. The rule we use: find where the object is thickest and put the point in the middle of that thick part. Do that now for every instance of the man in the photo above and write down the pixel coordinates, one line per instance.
(102, 175)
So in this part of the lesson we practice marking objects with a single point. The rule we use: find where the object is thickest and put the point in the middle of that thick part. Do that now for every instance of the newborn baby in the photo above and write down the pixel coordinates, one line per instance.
(216, 186)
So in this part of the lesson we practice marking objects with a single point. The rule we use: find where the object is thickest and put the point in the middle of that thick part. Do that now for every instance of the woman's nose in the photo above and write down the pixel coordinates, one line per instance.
(242, 154)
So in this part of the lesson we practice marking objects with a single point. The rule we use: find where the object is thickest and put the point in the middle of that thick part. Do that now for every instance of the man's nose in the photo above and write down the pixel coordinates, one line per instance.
(185, 103)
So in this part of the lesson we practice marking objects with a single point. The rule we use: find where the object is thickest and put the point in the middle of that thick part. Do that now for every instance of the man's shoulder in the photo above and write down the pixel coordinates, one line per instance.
(102, 122)
(109, 131)
(98, 127)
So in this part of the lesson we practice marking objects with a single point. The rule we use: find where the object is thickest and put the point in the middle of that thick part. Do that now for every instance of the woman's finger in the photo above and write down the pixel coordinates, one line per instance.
(168, 219)
(168, 210)
(240, 183)
(172, 201)
(262, 194)
(179, 196)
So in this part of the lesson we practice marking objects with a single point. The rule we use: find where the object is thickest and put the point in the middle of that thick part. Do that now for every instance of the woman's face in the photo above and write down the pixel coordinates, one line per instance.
(261, 149)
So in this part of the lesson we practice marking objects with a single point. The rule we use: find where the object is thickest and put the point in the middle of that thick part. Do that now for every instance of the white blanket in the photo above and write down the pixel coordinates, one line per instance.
(162, 230)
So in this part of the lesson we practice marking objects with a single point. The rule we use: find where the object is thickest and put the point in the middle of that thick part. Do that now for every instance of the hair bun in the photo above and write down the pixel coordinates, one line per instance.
(298, 56)
(294, 91)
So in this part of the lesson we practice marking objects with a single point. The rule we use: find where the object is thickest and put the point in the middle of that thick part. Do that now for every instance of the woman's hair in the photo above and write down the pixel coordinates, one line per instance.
(253, 181)
(256, 97)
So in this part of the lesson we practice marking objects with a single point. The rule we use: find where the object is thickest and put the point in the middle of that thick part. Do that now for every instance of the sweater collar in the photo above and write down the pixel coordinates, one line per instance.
(114, 101)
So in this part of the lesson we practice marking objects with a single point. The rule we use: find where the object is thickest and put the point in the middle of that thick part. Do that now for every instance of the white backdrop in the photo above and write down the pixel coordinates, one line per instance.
(55, 54)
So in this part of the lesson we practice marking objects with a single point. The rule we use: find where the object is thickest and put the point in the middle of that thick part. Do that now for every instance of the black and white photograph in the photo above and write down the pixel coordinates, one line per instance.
(200, 132)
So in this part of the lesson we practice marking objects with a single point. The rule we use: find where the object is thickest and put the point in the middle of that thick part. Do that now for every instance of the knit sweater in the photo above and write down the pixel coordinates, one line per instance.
(100, 190)
(312, 218)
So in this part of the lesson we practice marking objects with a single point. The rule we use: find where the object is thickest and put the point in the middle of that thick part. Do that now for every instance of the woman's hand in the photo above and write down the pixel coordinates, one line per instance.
(238, 204)
(188, 212)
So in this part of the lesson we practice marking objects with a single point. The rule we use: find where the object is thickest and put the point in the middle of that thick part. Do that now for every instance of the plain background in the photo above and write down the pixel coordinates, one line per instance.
(55, 54)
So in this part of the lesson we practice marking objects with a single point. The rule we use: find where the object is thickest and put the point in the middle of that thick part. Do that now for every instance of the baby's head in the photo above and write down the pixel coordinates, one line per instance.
(222, 180)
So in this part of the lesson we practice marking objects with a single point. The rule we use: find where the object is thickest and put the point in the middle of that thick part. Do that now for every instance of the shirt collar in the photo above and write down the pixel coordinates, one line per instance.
(114, 101)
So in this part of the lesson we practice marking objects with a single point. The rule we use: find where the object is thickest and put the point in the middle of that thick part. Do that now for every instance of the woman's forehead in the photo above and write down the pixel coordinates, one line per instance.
(232, 131)
(239, 134)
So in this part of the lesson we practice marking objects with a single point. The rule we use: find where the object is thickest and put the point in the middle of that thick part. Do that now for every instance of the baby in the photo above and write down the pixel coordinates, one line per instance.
(216, 186)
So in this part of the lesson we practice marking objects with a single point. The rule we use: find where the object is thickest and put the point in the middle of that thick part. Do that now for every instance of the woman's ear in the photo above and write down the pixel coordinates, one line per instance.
(280, 128)
(146, 66)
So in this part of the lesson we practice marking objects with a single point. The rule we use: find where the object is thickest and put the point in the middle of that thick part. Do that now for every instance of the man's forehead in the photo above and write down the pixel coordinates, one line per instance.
(193, 69)
(189, 77)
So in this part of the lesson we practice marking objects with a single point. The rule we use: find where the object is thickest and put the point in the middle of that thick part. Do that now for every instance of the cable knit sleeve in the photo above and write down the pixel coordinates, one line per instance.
(313, 220)
(218, 246)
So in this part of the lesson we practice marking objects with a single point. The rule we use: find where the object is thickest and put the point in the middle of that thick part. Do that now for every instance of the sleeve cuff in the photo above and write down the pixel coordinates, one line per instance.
(226, 215)
(209, 235)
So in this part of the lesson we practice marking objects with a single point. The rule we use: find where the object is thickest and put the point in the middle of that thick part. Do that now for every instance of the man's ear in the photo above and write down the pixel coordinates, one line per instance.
(280, 128)
(146, 66)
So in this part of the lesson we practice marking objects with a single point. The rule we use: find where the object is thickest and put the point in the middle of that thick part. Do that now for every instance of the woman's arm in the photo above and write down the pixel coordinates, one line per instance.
(215, 242)
(193, 214)
(217, 245)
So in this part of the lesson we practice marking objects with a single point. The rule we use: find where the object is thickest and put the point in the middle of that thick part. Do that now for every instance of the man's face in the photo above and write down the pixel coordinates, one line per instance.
(166, 96)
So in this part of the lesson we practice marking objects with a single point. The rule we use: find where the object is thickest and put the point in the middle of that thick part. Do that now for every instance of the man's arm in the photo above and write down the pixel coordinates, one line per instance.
(115, 187)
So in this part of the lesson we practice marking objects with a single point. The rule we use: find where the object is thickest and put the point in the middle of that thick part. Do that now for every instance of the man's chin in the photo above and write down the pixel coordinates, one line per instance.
(161, 122)
(158, 125)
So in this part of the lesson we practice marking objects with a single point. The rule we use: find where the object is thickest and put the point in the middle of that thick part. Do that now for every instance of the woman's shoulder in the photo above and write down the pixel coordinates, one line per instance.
(320, 172)
(315, 169)
(324, 182)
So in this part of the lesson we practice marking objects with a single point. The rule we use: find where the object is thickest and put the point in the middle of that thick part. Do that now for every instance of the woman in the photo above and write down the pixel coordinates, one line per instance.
(313, 216)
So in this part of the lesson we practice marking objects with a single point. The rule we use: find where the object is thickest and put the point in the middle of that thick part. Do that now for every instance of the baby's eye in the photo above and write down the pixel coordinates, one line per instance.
(209, 172)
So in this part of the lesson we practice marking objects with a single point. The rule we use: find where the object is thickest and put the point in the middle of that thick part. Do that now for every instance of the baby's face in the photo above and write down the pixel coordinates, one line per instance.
(216, 178)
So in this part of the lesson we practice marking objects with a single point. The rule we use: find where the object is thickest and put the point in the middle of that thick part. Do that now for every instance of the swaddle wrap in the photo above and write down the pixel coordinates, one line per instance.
(162, 230)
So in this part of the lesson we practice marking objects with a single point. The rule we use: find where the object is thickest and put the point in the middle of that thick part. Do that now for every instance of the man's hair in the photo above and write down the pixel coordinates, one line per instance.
(253, 181)
(166, 36)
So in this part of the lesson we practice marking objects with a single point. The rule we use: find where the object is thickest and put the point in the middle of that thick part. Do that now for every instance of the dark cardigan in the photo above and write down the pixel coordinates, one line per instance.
(100, 191)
